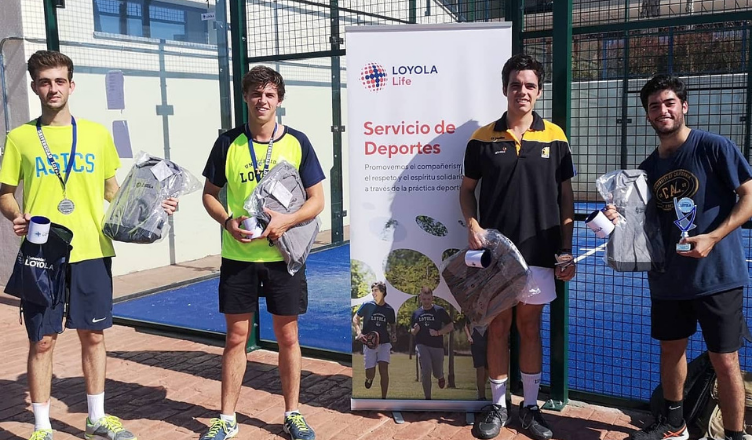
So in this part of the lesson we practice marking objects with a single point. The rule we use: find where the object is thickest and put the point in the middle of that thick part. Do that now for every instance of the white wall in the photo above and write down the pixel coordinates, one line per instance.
(192, 88)
(14, 66)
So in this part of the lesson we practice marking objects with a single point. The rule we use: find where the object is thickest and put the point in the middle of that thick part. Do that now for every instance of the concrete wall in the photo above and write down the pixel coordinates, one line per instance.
(14, 111)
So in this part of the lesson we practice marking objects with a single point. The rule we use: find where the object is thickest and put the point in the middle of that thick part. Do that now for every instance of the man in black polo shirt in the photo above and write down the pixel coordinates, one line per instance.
(525, 165)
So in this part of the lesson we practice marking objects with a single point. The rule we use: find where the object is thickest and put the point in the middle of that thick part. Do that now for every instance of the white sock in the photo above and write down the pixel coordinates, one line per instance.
(499, 392)
(41, 415)
(530, 388)
(289, 413)
(230, 420)
(96, 406)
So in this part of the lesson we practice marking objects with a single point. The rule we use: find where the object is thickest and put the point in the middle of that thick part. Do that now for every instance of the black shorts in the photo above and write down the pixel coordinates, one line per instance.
(90, 302)
(242, 283)
(478, 349)
(720, 316)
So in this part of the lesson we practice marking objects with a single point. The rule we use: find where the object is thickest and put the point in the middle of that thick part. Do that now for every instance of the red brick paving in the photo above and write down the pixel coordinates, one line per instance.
(167, 388)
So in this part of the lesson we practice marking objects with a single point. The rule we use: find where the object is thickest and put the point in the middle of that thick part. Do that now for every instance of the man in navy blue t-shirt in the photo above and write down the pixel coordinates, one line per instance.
(379, 317)
(706, 283)
(429, 324)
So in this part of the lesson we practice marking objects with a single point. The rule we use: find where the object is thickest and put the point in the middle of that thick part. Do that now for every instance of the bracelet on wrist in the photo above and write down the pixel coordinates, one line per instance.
(227, 220)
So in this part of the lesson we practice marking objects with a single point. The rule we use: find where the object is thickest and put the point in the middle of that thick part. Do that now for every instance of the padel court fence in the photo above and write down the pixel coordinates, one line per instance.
(597, 54)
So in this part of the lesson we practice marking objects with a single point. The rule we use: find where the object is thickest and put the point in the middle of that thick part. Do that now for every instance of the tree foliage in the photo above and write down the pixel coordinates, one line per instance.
(361, 278)
(433, 227)
(408, 270)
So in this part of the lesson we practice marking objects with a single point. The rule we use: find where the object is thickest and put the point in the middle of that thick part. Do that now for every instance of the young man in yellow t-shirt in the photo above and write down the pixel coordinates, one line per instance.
(238, 161)
(67, 166)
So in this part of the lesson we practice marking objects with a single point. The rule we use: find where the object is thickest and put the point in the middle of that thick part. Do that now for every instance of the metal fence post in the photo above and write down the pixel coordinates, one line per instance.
(513, 13)
(239, 35)
(337, 211)
(223, 60)
(50, 25)
(561, 90)
(748, 107)
(238, 32)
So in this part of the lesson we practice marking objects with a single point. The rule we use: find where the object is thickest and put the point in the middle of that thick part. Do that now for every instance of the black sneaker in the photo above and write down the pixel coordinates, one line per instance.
(662, 430)
(490, 421)
(532, 420)
(368, 383)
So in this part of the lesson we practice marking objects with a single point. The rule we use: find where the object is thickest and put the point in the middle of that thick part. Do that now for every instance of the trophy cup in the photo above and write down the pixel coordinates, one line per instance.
(685, 216)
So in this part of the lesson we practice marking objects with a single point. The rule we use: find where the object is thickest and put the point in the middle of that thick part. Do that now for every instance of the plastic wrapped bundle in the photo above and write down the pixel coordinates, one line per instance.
(136, 214)
(281, 190)
(636, 244)
(484, 292)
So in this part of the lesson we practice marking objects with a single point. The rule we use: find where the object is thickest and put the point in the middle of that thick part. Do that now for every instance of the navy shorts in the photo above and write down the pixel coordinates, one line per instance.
(89, 303)
(478, 349)
(242, 283)
(720, 316)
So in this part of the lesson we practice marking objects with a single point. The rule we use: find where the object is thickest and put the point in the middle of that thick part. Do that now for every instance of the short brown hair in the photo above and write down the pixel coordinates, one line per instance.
(261, 76)
(379, 285)
(49, 59)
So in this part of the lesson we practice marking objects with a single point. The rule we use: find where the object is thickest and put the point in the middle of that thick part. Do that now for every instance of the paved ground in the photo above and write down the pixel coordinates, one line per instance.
(165, 387)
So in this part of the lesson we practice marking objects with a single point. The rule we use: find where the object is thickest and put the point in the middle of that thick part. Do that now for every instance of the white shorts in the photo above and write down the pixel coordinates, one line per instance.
(372, 356)
(543, 278)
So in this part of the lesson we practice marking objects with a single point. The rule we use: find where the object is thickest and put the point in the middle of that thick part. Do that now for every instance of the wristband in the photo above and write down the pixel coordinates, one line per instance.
(227, 220)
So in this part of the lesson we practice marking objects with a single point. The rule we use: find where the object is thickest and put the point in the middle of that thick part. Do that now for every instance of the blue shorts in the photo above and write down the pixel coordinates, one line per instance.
(89, 302)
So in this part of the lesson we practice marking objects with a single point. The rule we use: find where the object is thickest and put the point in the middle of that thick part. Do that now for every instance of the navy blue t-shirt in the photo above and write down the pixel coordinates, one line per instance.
(707, 168)
(376, 318)
(434, 318)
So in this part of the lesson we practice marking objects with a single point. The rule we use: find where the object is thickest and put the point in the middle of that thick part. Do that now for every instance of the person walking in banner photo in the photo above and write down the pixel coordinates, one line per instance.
(238, 160)
(478, 346)
(67, 166)
(525, 165)
(378, 317)
(429, 323)
(702, 187)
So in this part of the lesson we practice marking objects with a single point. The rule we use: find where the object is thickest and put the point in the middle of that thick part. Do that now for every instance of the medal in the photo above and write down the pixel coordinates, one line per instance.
(66, 206)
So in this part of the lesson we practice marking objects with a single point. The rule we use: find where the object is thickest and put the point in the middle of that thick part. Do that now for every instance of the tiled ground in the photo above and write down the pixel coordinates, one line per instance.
(168, 388)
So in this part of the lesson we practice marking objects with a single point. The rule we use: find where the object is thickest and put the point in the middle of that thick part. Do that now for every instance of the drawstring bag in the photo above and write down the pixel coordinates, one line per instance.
(41, 270)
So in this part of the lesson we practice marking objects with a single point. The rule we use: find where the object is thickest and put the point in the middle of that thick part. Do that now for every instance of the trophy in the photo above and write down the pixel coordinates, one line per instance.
(685, 216)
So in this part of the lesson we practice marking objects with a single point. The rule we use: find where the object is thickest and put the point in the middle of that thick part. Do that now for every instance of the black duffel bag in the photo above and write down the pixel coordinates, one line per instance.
(41, 270)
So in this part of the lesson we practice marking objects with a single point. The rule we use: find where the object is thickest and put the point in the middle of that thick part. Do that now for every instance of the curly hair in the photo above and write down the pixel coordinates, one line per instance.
(662, 82)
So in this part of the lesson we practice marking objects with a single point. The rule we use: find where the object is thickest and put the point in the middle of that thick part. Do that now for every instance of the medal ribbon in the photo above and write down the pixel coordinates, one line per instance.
(268, 160)
(51, 159)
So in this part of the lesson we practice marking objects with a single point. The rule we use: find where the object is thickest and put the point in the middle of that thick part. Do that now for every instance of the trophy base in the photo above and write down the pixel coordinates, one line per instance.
(683, 247)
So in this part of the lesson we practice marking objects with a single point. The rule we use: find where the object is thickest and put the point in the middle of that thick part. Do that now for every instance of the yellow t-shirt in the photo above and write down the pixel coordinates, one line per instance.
(96, 160)
(230, 164)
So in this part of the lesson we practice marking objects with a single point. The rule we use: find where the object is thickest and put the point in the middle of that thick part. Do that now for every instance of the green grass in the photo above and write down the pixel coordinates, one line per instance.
(403, 383)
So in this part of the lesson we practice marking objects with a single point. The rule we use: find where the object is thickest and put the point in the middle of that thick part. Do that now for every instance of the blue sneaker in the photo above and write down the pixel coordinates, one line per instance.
(220, 430)
(296, 426)
(41, 434)
(107, 428)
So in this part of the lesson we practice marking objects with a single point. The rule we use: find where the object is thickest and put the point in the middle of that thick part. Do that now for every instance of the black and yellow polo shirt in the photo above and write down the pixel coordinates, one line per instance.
(230, 164)
(520, 184)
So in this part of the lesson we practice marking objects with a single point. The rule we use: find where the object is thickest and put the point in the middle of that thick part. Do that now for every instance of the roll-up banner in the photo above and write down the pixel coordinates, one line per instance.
(416, 94)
